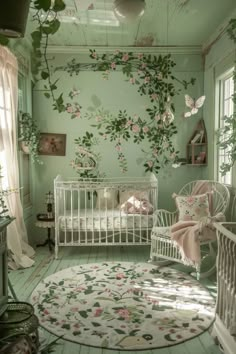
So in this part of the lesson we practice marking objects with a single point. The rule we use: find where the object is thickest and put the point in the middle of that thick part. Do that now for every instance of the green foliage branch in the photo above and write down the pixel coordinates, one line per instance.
(154, 78)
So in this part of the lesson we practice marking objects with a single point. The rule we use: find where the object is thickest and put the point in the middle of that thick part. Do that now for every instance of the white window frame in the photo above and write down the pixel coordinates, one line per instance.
(221, 106)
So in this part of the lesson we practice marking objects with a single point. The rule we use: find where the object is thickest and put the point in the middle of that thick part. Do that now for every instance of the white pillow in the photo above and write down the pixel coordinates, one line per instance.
(106, 198)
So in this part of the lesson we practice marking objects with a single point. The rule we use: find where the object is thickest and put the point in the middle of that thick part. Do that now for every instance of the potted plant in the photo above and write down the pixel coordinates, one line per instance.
(29, 136)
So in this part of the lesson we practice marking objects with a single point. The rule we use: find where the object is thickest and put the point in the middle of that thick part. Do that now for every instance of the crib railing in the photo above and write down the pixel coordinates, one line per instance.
(88, 212)
(225, 324)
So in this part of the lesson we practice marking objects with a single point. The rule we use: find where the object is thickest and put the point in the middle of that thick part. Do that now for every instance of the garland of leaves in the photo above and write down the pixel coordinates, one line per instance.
(226, 136)
(153, 77)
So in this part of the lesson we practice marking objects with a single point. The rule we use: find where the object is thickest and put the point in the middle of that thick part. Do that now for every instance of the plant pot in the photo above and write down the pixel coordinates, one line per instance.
(13, 17)
(24, 147)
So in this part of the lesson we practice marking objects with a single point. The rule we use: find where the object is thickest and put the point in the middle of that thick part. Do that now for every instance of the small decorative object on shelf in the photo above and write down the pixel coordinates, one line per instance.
(197, 146)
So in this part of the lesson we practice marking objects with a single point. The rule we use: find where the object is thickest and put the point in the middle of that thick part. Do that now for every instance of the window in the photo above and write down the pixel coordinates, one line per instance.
(225, 90)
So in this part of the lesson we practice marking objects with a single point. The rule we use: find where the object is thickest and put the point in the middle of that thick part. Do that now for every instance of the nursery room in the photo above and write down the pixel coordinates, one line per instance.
(117, 176)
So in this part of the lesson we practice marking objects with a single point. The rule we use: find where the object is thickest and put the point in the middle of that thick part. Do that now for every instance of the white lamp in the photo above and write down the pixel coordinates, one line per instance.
(129, 10)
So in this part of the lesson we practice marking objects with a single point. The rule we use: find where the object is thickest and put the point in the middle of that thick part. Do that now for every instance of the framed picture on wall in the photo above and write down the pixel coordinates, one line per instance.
(52, 144)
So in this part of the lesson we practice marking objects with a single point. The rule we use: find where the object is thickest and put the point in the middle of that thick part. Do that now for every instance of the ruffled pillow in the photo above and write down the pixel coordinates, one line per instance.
(137, 206)
(192, 207)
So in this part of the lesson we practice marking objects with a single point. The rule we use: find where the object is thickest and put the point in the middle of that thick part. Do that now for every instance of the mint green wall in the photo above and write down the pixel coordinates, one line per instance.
(114, 94)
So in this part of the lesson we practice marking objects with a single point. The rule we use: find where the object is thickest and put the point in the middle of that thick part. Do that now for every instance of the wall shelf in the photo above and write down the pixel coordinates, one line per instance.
(197, 146)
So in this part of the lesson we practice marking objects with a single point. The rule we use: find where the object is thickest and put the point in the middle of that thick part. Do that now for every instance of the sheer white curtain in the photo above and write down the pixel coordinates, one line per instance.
(16, 232)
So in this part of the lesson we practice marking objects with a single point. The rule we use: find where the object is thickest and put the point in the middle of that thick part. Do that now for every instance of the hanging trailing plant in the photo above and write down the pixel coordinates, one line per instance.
(226, 136)
(154, 78)
(29, 135)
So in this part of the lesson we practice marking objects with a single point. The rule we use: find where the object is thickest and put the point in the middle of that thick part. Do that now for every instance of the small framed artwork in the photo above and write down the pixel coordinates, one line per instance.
(52, 144)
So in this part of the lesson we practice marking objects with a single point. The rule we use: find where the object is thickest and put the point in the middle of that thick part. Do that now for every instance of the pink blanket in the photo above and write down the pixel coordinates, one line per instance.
(188, 234)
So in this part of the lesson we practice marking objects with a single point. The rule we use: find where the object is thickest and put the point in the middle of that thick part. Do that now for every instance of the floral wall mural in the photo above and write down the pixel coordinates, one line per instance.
(153, 77)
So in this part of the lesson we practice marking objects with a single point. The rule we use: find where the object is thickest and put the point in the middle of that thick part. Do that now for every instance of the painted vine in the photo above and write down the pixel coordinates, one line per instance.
(154, 78)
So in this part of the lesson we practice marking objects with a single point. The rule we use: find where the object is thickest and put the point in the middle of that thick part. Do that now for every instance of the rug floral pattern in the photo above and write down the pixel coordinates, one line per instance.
(123, 305)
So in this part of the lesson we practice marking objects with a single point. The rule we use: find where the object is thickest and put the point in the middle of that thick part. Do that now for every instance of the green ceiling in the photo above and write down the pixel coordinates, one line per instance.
(165, 23)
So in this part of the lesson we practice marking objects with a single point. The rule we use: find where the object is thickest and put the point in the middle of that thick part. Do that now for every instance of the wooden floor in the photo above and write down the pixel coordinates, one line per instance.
(24, 281)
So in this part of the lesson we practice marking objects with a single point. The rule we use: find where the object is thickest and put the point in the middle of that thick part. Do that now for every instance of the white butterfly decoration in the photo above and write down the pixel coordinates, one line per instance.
(194, 105)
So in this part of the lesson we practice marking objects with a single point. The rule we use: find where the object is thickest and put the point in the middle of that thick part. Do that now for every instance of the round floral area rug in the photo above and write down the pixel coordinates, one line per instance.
(123, 305)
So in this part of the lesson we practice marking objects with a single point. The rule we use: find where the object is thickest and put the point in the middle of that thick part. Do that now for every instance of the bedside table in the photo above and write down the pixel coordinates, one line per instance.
(46, 224)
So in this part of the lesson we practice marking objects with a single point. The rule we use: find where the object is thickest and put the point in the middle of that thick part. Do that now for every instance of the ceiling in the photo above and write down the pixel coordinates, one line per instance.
(90, 23)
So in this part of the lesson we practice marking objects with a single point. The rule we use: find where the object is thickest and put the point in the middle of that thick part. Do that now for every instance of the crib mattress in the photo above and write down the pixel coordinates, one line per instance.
(97, 220)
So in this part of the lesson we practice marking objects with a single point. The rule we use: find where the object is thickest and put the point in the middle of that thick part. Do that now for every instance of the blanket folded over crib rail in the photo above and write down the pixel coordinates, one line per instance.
(188, 234)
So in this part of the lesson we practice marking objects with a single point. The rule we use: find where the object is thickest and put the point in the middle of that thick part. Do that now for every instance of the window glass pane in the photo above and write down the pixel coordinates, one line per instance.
(226, 107)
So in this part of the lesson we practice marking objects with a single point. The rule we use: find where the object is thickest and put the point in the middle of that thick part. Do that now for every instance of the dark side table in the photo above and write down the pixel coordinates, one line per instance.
(46, 224)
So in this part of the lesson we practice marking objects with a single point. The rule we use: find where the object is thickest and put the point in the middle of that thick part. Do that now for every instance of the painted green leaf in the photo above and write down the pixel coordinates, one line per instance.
(83, 314)
(96, 324)
(96, 304)
(66, 326)
(119, 331)
(44, 75)
(42, 4)
(59, 5)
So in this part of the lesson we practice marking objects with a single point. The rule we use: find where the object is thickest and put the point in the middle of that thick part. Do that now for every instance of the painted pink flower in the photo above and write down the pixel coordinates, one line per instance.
(74, 309)
(157, 117)
(120, 275)
(98, 312)
(146, 79)
(118, 148)
(113, 65)
(46, 312)
(135, 128)
(125, 57)
(76, 325)
(145, 129)
(129, 122)
(173, 155)
(132, 80)
(69, 109)
(150, 163)
(104, 136)
(155, 152)
(190, 200)
(154, 96)
(94, 55)
(124, 313)
(78, 114)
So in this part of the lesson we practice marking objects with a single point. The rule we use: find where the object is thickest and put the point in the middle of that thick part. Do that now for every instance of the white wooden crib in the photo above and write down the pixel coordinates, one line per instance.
(225, 323)
(110, 211)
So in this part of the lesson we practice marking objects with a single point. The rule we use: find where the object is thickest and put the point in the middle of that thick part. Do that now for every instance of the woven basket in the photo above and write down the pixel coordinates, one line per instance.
(18, 319)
